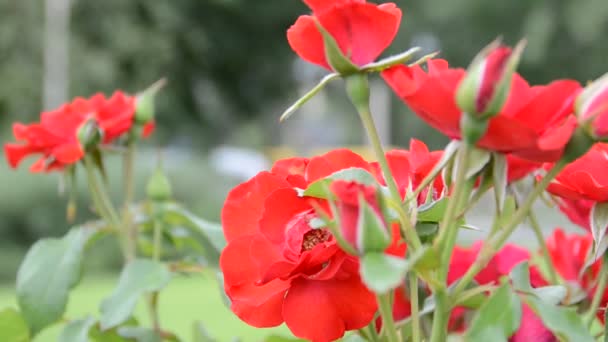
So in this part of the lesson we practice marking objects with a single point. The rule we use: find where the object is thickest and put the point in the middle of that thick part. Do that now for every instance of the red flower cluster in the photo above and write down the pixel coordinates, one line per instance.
(362, 30)
(55, 137)
(279, 267)
(534, 124)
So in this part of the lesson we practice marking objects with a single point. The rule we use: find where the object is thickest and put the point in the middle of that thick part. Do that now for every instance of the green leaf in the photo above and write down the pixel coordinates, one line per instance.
(434, 211)
(12, 327)
(520, 277)
(77, 331)
(427, 231)
(50, 269)
(424, 259)
(564, 322)
(381, 272)
(553, 294)
(139, 334)
(137, 278)
(499, 317)
(372, 235)
(211, 233)
(359, 175)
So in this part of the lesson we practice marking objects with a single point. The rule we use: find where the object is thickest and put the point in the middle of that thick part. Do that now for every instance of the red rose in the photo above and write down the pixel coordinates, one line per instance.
(484, 90)
(500, 265)
(362, 30)
(585, 178)
(352, 225)
(413, 166)
(578, 211)
(592, 108)
(518, 168)
(56, 136)
(568, 255)
(534, 124)
(277, 268)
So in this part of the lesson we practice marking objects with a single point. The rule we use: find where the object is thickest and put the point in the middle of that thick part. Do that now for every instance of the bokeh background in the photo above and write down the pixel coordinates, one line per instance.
(230, 74)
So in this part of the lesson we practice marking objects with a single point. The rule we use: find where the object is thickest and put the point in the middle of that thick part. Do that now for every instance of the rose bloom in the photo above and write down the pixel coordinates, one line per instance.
(531, 327)
(568, 256)
(55, 137)
(278, 268)
(585, 178)
(362, 30)
(534, 124)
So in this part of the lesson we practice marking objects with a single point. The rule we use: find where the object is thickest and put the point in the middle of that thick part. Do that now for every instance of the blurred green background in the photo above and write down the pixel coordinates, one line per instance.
(231, 73)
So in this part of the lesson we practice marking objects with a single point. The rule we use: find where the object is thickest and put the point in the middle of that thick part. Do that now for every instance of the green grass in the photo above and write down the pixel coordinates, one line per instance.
(185, 300)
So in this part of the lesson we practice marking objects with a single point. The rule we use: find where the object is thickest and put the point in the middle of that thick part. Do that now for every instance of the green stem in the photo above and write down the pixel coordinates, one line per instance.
(440, 318)
(492, 246)
(413, 279)
(408, 229)
(100, 197)
(157, 250)
(448, 230)
(445, 242)
(599, 293)
(388, 323)
(130, 230)
(538, 232)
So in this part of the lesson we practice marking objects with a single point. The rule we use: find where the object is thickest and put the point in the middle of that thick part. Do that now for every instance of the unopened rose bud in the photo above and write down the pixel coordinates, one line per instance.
(89, 134)
(361, 222)
(144, 103)
(592, 109)
(484, 90)
(159, 187)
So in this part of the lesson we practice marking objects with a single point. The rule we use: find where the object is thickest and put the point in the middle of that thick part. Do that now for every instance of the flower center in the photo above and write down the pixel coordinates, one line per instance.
(313, 238)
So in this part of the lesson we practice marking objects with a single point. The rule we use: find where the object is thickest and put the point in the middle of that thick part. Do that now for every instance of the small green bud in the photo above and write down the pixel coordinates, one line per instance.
(144, 103)
(158, 188)
(89, 134)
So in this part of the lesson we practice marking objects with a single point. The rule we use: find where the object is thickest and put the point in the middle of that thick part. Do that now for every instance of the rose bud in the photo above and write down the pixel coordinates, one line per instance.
(485, 88)
(592, 108)
(360, 218)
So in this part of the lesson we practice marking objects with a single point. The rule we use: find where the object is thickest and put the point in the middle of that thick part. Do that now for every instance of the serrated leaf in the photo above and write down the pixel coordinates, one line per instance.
(381, 272)
(499, 176)
(211, 233)
(564, 322)
(434, 211)
(139, 277)
(355, 174)
(500, 315)
(49, 271)
(13, 327)
(77, 331)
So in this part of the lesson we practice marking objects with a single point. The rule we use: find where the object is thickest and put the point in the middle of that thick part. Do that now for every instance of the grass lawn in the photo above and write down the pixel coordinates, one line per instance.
(184, 301)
